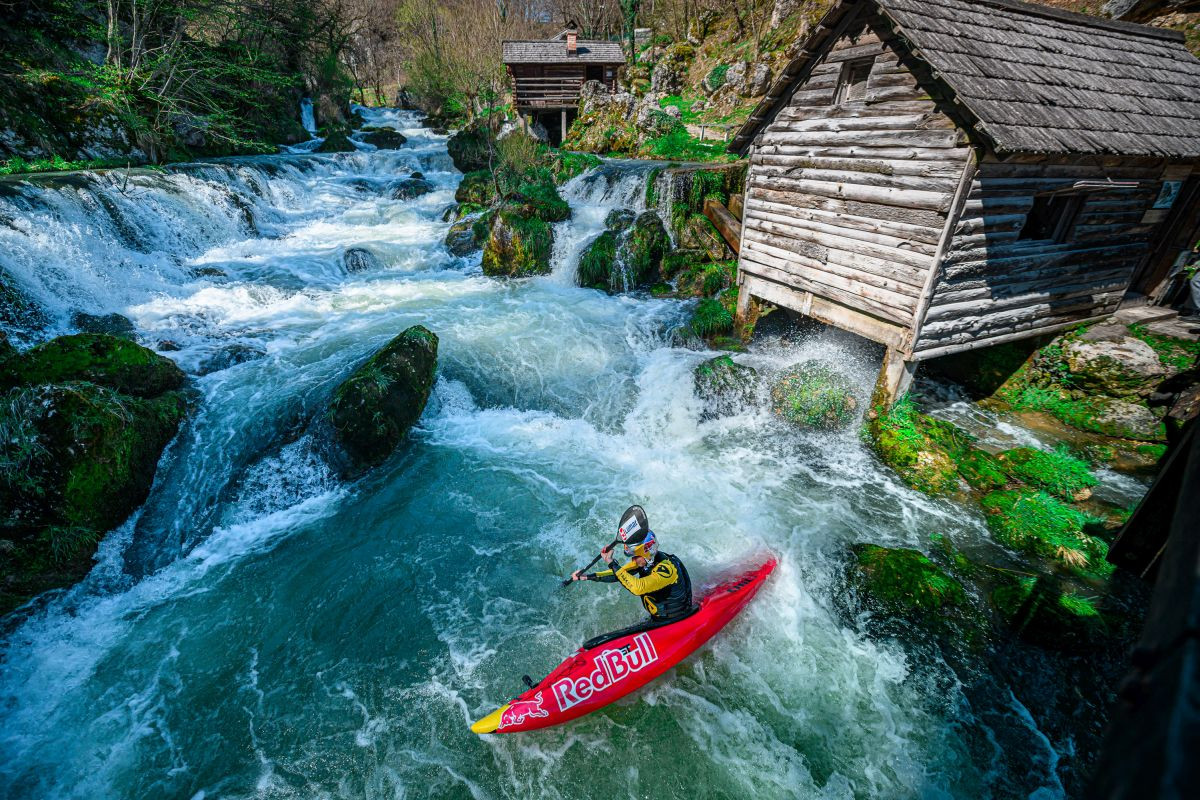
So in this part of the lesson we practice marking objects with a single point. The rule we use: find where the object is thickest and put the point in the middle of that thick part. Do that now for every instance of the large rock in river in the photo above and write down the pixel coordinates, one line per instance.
(468, 148)
(518, 245)
(1106, 360)
(384, 138)
(898, 583)
(724, 386)
(373, 410)
(814, 395)
(110, 361)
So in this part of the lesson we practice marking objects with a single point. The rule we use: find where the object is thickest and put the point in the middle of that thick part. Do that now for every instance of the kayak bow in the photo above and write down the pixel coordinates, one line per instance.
(591, 678)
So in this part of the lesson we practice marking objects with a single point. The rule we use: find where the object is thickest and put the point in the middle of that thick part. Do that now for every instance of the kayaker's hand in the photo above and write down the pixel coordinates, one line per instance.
(575, 576)
(607, 554)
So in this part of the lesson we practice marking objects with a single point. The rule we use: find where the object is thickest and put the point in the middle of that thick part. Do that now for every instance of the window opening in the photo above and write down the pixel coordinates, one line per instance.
(853, 82)
(1052, 217)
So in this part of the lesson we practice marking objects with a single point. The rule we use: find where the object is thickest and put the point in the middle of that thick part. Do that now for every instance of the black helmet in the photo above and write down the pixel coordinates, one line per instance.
(633, 525)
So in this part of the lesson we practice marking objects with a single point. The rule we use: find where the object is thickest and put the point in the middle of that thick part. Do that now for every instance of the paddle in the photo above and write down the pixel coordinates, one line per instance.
(615, 542)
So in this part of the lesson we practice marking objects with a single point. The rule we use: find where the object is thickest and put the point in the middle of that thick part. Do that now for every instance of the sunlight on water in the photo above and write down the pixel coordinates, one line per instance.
(261, 630)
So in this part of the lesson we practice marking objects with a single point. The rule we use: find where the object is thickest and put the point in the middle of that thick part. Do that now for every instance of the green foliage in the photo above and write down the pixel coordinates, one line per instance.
(1037, 523)
(519, 245)
(902, 440)
(98, 358)
(1177, 354)
(566, 164)
(981, 470)
(645, 247)
(904, 583)
(1058, 472)
(596, 264)
(715, 79)
(652, 187)
(18, 165)
(476, 187)
(711, 318)
(679, 145)
(539, 197)
(684, 105)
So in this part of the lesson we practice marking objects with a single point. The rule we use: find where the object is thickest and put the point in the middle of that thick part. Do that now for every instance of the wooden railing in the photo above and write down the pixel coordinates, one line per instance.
(547, 91)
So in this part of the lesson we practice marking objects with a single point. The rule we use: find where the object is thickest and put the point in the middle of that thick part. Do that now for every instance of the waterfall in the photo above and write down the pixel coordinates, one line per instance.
(306, 116)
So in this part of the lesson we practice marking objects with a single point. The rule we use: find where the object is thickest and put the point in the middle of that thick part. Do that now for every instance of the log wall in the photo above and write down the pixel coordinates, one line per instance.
(992, 285)
(848, 202)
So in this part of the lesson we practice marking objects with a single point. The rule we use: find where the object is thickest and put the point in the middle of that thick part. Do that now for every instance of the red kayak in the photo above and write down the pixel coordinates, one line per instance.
(613, 667)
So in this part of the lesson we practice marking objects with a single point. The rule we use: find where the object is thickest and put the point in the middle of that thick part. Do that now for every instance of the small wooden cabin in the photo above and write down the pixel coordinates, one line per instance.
(943, 175)
(548, 75)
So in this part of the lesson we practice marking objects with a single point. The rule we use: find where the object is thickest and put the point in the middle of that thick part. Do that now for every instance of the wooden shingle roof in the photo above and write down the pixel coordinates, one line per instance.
(1034, 79)
(554, 51)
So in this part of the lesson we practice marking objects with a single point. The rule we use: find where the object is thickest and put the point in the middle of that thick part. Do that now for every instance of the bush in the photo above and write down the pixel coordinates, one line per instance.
(711, 318)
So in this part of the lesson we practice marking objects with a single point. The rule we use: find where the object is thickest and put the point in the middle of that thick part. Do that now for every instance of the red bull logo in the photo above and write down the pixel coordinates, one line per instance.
(611, 666)
(520, 710)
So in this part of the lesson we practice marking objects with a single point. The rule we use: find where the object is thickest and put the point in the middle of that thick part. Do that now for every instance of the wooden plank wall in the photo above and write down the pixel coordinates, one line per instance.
(848, 202)
(992, 285)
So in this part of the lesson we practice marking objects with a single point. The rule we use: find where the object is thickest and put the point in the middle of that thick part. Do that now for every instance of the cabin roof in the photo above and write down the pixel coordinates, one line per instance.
(554, 51)
(1034, 79)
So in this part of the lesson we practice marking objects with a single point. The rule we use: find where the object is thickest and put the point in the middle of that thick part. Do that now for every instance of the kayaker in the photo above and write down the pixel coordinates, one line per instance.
(659, 579)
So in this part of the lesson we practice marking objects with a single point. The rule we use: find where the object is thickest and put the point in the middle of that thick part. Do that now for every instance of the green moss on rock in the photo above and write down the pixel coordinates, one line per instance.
(904, 583)
(597, 262)
(902, 440)
(1058, 472)
(814, 395)
(373, 410)
(711, 318)
(336, 142)
(468, 148)
(518, 246)
(476, 187)
(644, 249)
(724, 386)
(1037, 523)
(1043, 611)
(97, 358)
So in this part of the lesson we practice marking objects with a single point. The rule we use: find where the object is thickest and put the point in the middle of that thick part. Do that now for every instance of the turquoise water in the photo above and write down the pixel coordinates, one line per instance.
(262, 630)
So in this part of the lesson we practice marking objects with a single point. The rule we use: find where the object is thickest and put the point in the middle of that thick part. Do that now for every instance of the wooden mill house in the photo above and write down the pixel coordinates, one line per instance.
(548, 76)
(943, 175)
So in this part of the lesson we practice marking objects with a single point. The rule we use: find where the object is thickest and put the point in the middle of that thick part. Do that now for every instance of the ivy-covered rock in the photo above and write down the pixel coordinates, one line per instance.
(517, 246)
(469, 147)
(97, 358)
(1037, 523)
(597, 262)
(468, 234)
(814, 395)
(619, 219)
(644, 248)
(373, 410)
(476, 187)
(1057, 472)
(724, 386)
(75, 461)
(336, 142)
(384, 138)
(1044, 612)
(904, 584)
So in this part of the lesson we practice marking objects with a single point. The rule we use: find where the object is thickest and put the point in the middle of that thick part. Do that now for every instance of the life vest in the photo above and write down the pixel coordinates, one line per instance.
(675, 598)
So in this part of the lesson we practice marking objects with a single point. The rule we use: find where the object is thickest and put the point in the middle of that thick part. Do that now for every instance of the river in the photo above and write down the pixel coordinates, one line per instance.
(261, 629)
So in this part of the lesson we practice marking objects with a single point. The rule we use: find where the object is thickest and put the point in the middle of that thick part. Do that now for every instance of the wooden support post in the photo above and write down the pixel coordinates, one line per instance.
(743, 305)
(564, 124)
(895, 376)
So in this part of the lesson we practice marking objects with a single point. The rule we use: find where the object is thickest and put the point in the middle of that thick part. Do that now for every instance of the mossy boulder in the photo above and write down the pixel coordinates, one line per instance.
(899, 583)
(373, 410)
(469, 148)
(76, 459)
(1035, 522)
(619, 219)
(539, 198)
(384, 138)
(1105, 360)
(918, 447)
(468, 234)
(476, 187)
(16, 310)
(724, 386)
(814, 395)
(336, 142)
(644, 248)
(517, 245)
(1058, 472)
(411, 188)
(1046, 612)
(110, 361)
(598, 261)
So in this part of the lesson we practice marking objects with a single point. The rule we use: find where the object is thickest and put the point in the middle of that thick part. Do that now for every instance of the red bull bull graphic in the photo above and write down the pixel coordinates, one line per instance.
(611, 666)
(590, 679)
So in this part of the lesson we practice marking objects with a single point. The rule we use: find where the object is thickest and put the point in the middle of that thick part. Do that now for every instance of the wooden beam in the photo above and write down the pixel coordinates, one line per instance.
(822, 310)
(895, 377)
(725, 222)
